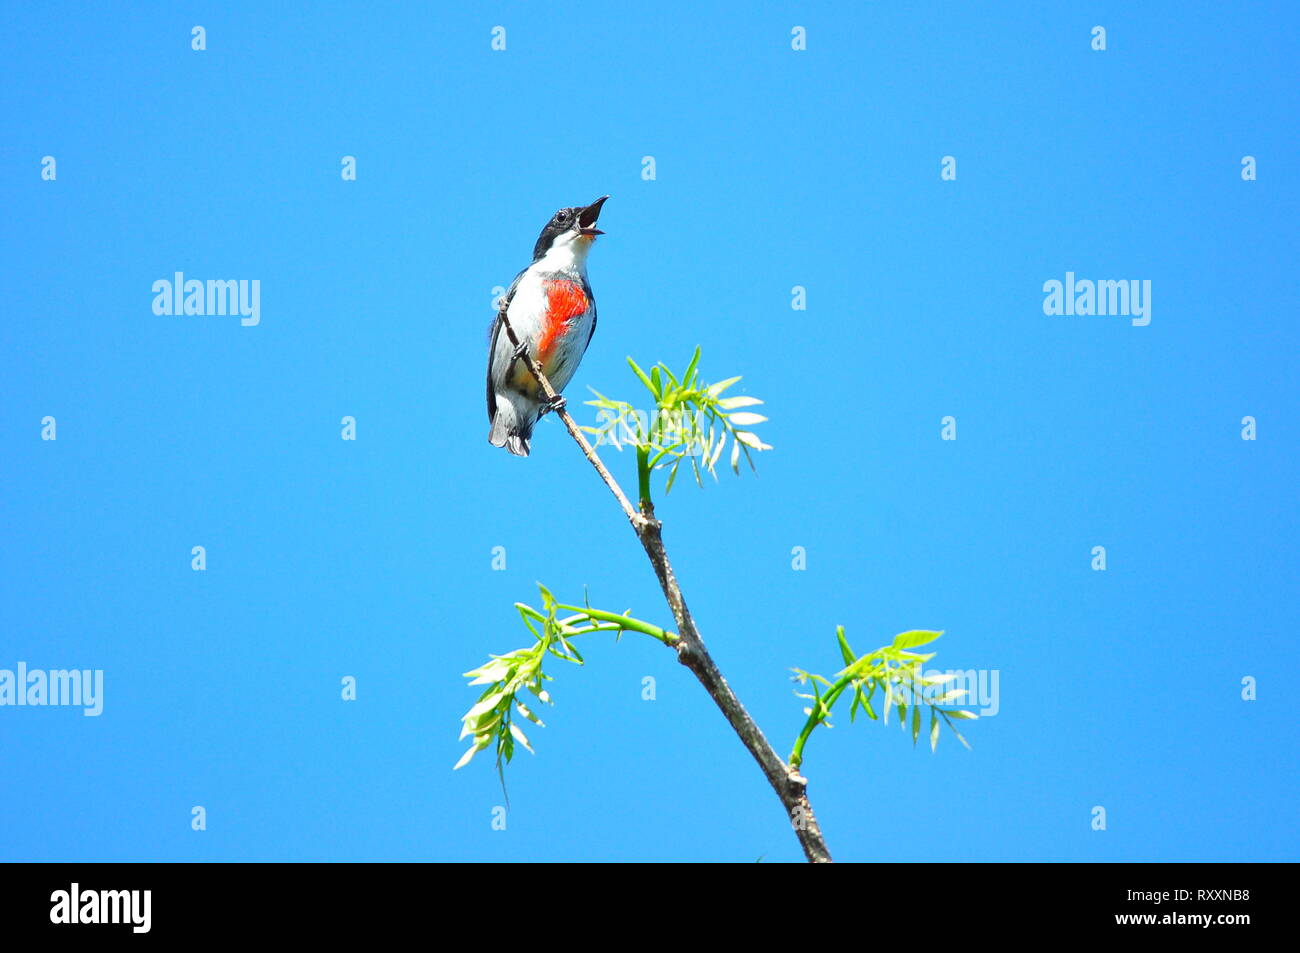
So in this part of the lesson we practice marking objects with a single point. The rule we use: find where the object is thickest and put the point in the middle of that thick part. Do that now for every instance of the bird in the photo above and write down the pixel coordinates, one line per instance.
(552, 311)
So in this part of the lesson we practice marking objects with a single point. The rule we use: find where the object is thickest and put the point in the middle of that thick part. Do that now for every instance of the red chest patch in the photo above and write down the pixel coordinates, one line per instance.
(565, 300)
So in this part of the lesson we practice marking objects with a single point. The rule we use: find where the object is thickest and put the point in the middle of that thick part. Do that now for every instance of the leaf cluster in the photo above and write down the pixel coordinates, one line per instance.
(492, 719)
(891, 677)
(691, 421)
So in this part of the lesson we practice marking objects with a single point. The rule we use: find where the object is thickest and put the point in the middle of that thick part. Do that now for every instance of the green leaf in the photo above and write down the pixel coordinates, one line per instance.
(672, 476)
(717, 451)
(527, 713)
(657, 380)
(849, 657)
(938, 679)
(690, 368)
(644, 380)
(746, 419)
(524, 613)
(934, 731)
(916, 723)
(572, 651)
(465, 758)
(521, 737)
(480, 742)
(493, 671)
(960, 737)
(907, 640)
(485, 705)
(716, 389)
(732, 403)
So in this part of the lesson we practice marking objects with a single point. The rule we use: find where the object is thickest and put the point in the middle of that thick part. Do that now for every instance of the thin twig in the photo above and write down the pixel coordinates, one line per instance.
(552, 395)
(789, 785)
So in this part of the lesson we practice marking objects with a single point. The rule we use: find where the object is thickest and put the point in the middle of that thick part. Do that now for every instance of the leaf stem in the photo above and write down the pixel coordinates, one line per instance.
(643, 470)
(623, 622)
(815, 718)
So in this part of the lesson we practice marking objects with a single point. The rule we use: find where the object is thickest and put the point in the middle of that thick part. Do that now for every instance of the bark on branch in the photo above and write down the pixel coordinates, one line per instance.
(788, 784)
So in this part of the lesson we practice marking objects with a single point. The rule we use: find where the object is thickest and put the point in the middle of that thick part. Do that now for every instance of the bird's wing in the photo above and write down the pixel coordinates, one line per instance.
(495, 332)
(586, 289)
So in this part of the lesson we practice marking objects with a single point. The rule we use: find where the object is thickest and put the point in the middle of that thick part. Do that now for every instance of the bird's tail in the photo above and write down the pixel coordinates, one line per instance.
(512, 425)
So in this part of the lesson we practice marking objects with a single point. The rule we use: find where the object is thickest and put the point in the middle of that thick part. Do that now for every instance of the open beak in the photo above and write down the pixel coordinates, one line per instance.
(587, 218)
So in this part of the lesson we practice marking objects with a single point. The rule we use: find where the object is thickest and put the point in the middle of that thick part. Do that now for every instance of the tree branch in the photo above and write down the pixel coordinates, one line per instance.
(789, 785)
(553, 395)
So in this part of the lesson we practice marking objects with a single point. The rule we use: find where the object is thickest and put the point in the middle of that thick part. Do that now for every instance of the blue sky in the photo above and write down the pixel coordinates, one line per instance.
(774, 168)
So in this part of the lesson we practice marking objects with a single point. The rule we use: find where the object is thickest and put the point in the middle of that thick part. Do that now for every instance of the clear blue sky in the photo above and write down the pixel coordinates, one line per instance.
(775, 168)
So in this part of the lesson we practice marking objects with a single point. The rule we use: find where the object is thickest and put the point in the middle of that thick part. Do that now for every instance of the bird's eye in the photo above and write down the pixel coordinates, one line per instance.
(562, 216)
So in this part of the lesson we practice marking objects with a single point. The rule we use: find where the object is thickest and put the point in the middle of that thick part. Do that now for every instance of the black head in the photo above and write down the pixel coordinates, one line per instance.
(578, 221)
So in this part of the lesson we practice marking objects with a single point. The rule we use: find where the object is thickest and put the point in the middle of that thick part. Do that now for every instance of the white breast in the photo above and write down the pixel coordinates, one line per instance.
(566, 259)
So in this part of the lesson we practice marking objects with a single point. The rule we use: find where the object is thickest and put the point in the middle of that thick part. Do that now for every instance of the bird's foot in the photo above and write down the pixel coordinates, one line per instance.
(521, 351)
(555, 405)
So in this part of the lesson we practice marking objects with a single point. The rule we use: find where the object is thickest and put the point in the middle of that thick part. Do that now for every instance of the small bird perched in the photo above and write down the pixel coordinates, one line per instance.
(553, 313)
